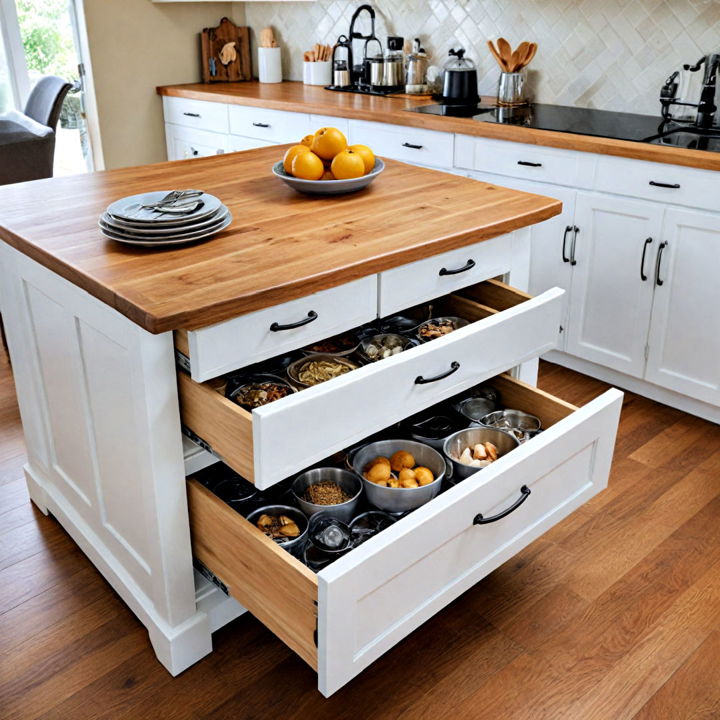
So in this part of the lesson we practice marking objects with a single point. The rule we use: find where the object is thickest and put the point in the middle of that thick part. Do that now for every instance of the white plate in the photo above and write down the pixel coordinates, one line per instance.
(130, 208)
(173, 240)
(149, 230)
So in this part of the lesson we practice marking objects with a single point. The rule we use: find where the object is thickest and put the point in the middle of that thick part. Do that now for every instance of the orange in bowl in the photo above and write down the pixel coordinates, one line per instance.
(307, 166)
(290, 156)
(348, 164)
(366, 154)
(328, 142)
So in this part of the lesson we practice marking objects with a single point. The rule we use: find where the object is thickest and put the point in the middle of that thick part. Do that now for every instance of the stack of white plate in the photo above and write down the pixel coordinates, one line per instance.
(129, 221)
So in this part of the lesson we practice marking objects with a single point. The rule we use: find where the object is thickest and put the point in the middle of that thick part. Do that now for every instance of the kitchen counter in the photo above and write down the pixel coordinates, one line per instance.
(280, 246)
(297, 97)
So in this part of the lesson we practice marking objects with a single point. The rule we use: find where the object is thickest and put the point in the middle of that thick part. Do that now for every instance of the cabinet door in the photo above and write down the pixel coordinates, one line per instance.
(612, 288)
(550, 240)
(684, 340)
(183, 143)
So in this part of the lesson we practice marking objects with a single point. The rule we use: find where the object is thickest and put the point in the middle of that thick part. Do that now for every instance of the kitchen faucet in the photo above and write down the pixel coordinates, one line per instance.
(707, 108)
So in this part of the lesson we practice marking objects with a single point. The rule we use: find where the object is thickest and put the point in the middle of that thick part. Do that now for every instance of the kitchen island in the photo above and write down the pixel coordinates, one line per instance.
(116, 351)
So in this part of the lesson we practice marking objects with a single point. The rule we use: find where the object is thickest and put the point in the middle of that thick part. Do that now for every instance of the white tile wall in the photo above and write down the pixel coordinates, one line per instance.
(611, 54)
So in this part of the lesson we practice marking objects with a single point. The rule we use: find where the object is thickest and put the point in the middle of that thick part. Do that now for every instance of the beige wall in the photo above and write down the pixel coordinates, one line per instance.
(136, 45)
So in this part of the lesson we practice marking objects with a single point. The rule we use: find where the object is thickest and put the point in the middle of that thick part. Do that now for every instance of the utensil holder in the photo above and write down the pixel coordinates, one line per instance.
(269, 65)
(317, 73)
(511, 89)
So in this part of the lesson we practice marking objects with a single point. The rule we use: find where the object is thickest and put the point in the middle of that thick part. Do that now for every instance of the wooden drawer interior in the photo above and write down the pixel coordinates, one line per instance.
(228, 428)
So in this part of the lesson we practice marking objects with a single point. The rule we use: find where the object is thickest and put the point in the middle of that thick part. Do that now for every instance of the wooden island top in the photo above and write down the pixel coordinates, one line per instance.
(280, 246)
(297, 97)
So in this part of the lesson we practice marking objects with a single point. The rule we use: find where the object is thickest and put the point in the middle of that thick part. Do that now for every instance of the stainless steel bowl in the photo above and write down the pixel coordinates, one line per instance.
(520, 424)
(294, 545)
(399, 500)
(347, 480)
(403, 343)
(295, 367)
(340, 353)
(456, 321)
(258, 379)
(456, 443)
(476, 408)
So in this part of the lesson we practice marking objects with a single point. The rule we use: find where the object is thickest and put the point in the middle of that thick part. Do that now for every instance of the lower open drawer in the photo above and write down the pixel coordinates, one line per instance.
(507, 327)
(347, 615)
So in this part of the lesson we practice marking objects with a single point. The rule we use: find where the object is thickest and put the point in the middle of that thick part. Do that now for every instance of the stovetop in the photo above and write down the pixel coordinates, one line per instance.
(586, 121)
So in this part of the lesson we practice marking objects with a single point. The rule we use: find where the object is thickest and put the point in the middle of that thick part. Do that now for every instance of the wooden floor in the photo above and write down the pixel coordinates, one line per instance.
(614, 614)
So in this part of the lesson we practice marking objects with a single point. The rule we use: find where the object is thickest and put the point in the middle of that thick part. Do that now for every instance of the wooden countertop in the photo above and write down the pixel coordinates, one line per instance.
(297, 97)
(280, 246)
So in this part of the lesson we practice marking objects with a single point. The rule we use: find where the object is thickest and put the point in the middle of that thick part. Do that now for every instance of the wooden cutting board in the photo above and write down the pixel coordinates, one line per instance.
(223, 61)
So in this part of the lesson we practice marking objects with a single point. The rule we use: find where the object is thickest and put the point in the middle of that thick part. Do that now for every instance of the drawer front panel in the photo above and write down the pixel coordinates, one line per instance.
(247, 339)
(411, 284)
(525, 161)
(196, 114)
(658, 181)
(379, 593)
(185, 143)
(272, 125)
(244, 143)
(413, 145)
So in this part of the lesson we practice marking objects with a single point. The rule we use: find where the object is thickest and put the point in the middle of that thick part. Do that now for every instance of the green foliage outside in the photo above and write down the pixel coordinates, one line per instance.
(47, 38)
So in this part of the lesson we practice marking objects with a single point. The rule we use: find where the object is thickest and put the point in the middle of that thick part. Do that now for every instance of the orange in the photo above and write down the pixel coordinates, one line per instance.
(327, 175)
(307, 140)
(328, 142)
(348, 164)
(366, 154)
(308, 166)
(290, 156)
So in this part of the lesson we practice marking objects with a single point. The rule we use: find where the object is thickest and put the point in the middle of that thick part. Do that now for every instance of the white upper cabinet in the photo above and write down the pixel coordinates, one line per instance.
(612, 287)
(684, 341)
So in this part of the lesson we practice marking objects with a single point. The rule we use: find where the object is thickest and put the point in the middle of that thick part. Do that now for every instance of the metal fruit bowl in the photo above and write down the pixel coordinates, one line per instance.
(399, 500)
(328, 187)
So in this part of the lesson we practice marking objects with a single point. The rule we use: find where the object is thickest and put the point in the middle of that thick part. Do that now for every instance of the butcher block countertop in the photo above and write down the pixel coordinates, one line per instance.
(297, 97)
(280, 246)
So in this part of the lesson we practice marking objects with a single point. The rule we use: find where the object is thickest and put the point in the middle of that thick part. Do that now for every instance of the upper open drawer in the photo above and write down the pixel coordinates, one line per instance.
(507, 328)
(354, 610)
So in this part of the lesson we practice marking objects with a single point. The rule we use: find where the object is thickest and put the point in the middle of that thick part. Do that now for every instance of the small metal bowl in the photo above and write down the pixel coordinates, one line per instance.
(292, 545)
(367, 525)
(296, 367)
(456, 443)
(258, 379)
(520, 424)
(404, 344)
(347, 480)
(456, 321)
(476, 408)
(310, 349)
(399, 500)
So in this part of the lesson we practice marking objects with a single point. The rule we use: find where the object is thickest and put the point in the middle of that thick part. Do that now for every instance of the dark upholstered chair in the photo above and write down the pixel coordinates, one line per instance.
(27, 140)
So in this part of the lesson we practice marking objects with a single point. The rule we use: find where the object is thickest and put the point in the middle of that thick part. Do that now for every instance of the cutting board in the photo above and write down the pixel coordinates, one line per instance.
(216, 63)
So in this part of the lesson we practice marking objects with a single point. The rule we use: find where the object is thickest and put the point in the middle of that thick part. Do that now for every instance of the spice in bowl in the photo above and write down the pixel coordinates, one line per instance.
(316, 369)
(326, 492)
(438, 327)
(338, 345)
(379, 347)
(278, 527)
(257, 394)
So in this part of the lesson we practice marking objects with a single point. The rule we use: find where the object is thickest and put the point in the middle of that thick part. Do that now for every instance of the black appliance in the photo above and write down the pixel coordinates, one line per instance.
(460, 83)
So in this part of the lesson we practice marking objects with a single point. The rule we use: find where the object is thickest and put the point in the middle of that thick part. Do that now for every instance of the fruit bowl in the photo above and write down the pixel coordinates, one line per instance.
(328, 187)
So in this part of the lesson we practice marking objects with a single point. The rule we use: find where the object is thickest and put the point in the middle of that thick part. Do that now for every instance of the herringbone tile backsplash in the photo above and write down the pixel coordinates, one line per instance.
(610, 54)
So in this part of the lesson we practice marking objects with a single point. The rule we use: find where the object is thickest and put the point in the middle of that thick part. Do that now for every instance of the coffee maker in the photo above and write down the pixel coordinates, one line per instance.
(704, 111)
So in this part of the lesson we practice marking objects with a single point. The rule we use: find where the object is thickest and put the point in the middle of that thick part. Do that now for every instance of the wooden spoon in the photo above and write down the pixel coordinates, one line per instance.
(521, 51)
(505, 51)
(531, 53)
(496, 55)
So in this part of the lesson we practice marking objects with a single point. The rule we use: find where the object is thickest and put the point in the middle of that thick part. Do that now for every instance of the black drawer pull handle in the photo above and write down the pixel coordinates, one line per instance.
(469, 265)
(528, 164)
(658, 281)
(263, 125)
(524, 495)
(672, 186)
(412, 147)
(194, 151)
(191, 114)
(454, 367)
(643, 276)
(276, 327)
(576, 230)
(568, 228)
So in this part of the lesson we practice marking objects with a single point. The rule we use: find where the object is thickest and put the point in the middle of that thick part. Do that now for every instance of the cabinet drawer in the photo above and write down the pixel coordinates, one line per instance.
(275, 126)
(507, 328)
(196, 114)
(247, 339)
(413, 145)
(371, 598)
(416, 282)
(184, 143)
(658, 181)
(342, 124)
(525, 161)
(244, 143)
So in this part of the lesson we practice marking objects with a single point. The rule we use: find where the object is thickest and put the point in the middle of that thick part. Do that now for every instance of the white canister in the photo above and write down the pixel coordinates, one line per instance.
(269, 65)
(317, 73)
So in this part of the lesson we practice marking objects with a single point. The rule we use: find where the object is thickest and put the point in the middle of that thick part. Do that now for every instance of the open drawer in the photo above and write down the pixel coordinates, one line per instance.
(351, 612)
(507, 328)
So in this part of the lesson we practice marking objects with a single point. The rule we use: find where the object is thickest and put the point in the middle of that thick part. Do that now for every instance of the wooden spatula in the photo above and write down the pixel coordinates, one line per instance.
(531, 53)
(519, 56)
(505, 51)
(496, 55)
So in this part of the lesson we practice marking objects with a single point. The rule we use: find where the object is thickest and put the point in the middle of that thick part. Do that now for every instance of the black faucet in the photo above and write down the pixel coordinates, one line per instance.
(356, 71)
(707, 108)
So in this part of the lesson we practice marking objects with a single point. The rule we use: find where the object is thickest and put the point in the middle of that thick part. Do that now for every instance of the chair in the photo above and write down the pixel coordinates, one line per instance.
(27, 140)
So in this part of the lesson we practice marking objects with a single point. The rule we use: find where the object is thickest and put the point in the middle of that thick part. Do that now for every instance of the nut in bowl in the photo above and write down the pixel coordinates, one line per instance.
(399, 475)
(324, 164)
(474, 448)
